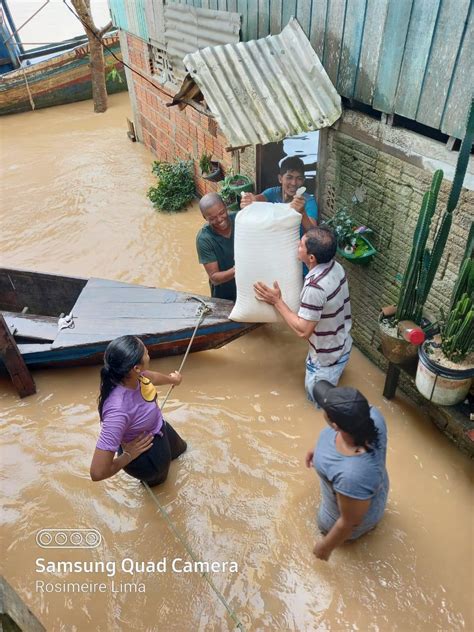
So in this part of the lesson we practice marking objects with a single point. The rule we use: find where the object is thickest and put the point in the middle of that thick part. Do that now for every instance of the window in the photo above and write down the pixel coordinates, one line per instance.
(160, 65)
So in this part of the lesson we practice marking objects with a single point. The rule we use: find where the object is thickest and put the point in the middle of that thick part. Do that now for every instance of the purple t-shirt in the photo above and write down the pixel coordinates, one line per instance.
(127, 413)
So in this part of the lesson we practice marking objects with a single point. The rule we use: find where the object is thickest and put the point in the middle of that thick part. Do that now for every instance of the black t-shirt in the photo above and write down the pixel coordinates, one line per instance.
(213, 247)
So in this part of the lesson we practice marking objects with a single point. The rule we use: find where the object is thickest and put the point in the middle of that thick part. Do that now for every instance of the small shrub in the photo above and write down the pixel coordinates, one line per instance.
(175, 186)
(205, 163)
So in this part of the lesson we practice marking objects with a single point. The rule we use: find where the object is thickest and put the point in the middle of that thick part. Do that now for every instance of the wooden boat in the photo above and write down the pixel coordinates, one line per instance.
(57, 78)
(101, 310)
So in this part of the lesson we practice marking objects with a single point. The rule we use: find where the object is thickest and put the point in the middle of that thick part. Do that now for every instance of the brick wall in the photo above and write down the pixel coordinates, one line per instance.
(393, 181)
(171, 133)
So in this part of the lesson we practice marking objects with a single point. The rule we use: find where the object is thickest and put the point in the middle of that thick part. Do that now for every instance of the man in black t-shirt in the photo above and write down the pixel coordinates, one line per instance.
(215, 246)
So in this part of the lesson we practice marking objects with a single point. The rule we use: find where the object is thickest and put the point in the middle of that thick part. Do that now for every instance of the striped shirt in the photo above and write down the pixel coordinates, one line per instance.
(325, 300)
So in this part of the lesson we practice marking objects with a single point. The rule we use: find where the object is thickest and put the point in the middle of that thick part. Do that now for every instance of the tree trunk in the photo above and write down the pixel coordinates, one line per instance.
(99, 90)
(94, 35)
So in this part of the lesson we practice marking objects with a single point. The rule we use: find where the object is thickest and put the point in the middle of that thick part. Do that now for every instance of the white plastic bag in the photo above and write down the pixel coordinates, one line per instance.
(266, 249)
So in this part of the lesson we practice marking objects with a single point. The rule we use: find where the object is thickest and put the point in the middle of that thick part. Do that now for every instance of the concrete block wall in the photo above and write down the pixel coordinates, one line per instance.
(171, 133)
(357, 159)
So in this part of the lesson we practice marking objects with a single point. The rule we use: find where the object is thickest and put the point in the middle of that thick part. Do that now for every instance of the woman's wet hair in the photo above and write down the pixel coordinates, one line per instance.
(121, 355)
(363, 432)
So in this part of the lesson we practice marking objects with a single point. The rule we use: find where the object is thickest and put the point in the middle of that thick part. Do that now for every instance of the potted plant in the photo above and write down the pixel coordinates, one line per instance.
(446, 363)
(210, 169)
(232, 188)
(352, 243)
(423, 264)
(175, 186)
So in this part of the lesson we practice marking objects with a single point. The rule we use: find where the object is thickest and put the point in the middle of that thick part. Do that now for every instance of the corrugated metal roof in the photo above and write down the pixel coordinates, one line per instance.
(188, 29)
(264, 90)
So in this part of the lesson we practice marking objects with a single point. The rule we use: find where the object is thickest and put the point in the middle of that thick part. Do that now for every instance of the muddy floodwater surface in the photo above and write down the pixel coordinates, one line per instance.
(73, 202)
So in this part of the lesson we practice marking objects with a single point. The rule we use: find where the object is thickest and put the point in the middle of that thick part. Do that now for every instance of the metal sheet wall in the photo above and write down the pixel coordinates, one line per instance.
(408, 57)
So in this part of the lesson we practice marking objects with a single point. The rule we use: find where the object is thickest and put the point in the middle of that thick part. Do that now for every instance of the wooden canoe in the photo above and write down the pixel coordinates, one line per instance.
(55, 79)
(32, 302)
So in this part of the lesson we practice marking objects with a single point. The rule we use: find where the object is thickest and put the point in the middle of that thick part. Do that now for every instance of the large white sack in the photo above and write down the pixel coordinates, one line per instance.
(266, 249)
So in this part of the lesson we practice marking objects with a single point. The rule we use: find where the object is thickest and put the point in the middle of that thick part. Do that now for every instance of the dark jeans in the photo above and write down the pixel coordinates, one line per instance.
(152, 466)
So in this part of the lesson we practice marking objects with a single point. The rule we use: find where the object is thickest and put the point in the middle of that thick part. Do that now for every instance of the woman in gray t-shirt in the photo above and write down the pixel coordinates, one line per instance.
(349, 458)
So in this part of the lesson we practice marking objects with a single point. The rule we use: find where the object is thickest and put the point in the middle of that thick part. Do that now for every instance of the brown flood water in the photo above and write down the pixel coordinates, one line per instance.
(241, 493)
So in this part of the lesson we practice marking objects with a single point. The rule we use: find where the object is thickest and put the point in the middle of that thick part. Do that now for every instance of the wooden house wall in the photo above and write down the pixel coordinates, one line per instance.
(407, 57)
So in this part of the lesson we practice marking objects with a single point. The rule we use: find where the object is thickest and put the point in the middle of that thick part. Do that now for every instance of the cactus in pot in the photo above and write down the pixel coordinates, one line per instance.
(423, 263)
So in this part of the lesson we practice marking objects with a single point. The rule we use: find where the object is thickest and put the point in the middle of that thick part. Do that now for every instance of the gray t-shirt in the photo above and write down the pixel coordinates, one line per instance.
(361, 476)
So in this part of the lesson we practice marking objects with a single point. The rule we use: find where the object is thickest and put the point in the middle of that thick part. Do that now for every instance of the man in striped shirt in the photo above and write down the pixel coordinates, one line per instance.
(324, 317)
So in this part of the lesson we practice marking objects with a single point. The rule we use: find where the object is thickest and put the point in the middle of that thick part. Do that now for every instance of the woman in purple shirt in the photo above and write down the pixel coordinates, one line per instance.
(132, 425)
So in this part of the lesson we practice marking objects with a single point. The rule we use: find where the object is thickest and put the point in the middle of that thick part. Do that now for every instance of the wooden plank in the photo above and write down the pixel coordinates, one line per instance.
(252, 20)
(288, 11)
(158, 311)
(243, 10)
(303, 15)
(375, 17)
(88, 331)
(415, 57)
(391, 54)
(32, 326)
(263, 18)
(439, 71)
(333, 37)
(275, 17)
(462, 87)
(391, 381)
(14, 613)
(232, 6)
(14, 363)
(351, 46)
(46, 294)
(318, 26)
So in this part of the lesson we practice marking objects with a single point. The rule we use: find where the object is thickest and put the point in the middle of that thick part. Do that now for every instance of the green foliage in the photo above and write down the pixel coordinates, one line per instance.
(457, 334)
(423, 264)
(175, 185)
(343, 226)
(232, 187)
(462, 162)
(205, 163)
(465, 280)
(113, 74)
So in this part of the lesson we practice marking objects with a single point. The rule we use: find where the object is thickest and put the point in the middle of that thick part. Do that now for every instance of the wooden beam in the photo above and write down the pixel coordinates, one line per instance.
(391, 381)
(14, 613)
(15, 365)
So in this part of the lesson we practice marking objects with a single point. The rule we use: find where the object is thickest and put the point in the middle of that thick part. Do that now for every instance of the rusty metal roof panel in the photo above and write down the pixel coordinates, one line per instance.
(265, 90)
(188, 29)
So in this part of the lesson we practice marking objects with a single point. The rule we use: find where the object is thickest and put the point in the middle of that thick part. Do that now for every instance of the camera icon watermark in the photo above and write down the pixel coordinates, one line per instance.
(68, 538)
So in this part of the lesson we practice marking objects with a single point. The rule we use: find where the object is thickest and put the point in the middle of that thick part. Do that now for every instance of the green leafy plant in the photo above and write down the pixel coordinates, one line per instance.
(112, 74)
(175, 185)
(351, 237)
(423, 264)
(457, 331)
(233, 186)
(343, 226)
(205, 163)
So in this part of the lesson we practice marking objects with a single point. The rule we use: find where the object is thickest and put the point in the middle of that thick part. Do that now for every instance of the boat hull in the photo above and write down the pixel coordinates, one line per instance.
(64, 78)
(102, 310)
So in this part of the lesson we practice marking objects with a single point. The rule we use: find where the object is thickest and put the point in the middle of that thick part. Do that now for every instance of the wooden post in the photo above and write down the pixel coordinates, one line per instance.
(14, 614)
(16, 367)
(391, 381)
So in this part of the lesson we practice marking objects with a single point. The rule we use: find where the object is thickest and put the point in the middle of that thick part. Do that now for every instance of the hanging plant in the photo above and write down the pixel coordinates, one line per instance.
(352, 241)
